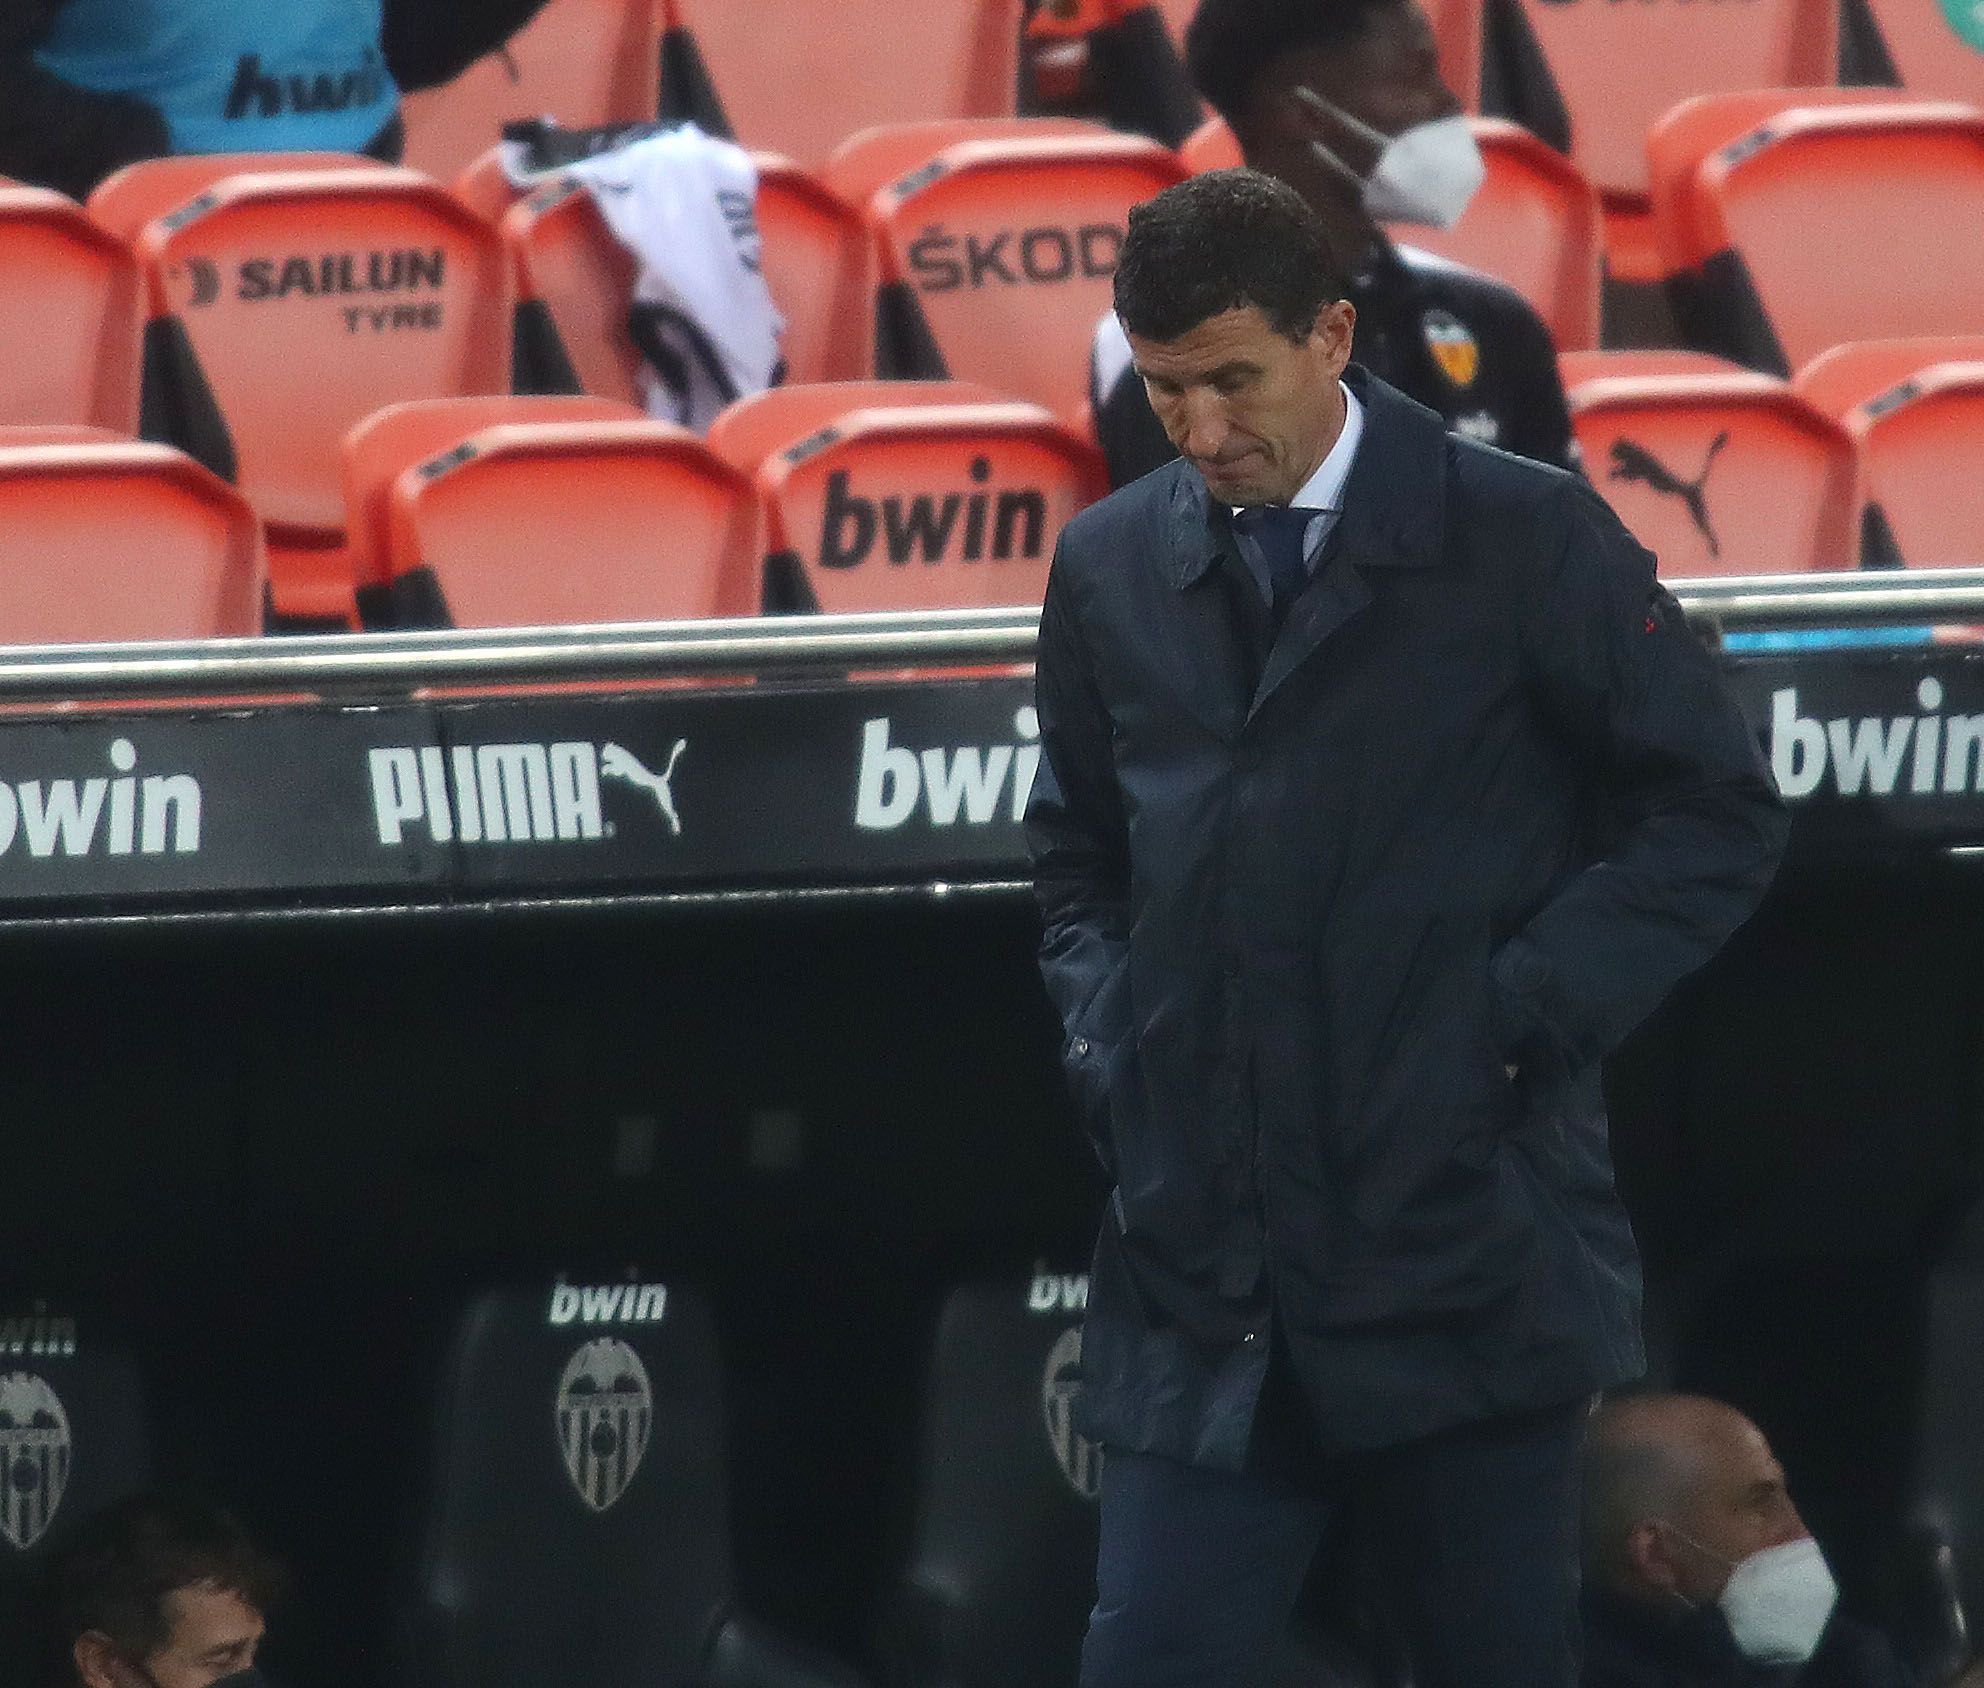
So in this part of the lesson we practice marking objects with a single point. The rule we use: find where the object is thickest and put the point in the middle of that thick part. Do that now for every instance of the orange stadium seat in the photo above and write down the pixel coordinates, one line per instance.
(390, 441)
(541, 523)
(1686, 135)
(1576, 368)
(1612, 69)
(1929, 53)
(70, 309)
(752, 429)
(819, 265)
(582, 62)
(1456, 29)
(799, 78)
(1850, 375)
(1006, 249)
(1919, 455)
(872, 158)
(1721, 474)
(484, 187)
(123, 540)
(127, 199)
(1843, 223)
(917, 506)
(1536, 223)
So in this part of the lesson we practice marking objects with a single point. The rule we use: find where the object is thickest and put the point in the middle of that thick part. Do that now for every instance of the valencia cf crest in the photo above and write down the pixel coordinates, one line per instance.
(605, 1411)
(35, 1451)
(1080, 1459)
(1453, 346)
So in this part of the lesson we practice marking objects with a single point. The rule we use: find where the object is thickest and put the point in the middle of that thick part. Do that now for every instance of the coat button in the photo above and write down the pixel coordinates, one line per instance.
(1078, 1048)
(1251, 1336)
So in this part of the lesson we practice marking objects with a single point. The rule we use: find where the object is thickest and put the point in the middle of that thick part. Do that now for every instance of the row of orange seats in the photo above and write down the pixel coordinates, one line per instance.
(499, 510)
(514, 511)
(1869, 458)
(797, 77)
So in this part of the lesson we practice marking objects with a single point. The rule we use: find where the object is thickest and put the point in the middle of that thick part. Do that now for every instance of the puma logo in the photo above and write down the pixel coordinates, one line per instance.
(1631, 462)
(616, 763)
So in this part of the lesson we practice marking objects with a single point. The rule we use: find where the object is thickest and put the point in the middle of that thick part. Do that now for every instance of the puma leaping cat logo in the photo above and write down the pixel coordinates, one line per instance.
(1631, 462)
(619, 763)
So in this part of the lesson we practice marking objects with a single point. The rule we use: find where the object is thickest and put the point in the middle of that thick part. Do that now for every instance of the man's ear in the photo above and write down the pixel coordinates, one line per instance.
(1652, 1565)
(1336, 331)
(96, 1660)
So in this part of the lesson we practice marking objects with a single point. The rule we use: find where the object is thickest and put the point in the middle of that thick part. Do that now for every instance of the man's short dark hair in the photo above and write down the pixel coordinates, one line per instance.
(115, 1575)
(1230, 42)
(1218, 242)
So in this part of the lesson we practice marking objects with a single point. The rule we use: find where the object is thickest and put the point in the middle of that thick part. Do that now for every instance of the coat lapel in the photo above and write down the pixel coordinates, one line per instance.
(1393, 516)
(1212, 666)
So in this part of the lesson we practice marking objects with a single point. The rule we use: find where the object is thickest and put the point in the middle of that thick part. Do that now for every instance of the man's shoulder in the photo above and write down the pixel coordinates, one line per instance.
(1472, 295)
(1128, 509)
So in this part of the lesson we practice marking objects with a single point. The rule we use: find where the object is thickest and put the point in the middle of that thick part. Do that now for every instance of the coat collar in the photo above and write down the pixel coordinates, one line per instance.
(1393, 504)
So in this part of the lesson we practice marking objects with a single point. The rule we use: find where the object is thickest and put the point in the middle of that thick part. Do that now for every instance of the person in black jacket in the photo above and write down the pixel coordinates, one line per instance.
(87, 86)
(1383, 791)
(1699, 1573)
(1343, 100)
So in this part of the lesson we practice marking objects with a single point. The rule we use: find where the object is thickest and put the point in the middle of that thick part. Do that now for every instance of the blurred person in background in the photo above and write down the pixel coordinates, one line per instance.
(1344, 101)
(88, 86)
(162, 1591)
(1699, 1572)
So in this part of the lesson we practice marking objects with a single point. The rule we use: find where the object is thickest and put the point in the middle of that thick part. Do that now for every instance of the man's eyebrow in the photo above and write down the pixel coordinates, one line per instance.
(1240, 366)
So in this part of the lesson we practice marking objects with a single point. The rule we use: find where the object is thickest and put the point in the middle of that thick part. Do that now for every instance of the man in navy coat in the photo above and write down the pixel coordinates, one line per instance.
(1383, 791)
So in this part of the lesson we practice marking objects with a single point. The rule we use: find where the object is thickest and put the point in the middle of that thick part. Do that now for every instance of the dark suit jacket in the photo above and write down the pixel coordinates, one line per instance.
(1627, 1647)
(1485, 803)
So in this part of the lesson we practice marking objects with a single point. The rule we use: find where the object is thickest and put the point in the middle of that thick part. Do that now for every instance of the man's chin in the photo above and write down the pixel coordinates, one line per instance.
(1233, 484)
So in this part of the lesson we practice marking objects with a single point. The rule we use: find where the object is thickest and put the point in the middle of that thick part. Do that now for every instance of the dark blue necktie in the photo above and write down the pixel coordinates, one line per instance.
(1280, 531)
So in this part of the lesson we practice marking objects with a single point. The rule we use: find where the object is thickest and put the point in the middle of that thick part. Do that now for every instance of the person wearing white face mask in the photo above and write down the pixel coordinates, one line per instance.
(1344, 101)
(1699, 1572)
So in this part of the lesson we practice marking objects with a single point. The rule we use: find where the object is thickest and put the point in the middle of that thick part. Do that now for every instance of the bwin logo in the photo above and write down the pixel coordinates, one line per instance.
(965, 782)
(605, 1412)
(1080, 1459)
(155, 816)
(926, 529)
(35, 1455)
(1943, 754)
(608, 1304)
(511, 793)
(1057, 1292)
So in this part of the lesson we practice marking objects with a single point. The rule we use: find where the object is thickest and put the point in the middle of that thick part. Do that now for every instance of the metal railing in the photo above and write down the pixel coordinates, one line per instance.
(399, 663)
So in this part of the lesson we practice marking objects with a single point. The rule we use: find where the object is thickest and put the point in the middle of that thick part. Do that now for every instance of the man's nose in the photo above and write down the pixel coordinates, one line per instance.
(1206, 427)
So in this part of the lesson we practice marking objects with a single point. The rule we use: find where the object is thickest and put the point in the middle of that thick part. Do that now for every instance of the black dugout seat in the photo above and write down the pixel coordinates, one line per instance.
(74, 1438)
(577, 1526)
(1001, 1572)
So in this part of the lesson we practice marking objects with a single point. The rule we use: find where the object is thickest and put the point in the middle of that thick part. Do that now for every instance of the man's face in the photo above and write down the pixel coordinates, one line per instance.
(1252, 410)
(1387, 77)
(211, 1633)
(1741, 1507)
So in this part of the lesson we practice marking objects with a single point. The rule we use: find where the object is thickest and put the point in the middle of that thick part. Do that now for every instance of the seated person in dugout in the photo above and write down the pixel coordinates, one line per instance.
(1698, 1571)
(88, 86)
(161, 1591)
(1344, 101)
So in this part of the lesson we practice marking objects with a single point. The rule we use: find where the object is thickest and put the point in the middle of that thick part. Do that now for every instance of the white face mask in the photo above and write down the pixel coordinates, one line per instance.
(1778, 1602)
(1426, 174)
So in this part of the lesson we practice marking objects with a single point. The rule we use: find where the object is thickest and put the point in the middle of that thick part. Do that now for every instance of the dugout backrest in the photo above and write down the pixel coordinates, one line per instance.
(390, 441)
(287, 306)
(580, 62)
(129, 198)
(575, 280)
(1849, 375)
(69, 314)
(1001, 1573)
(1003, 251)
(921, 506)
(1721, 474)
(115, 539)
(1896, 191)
(75, 1437)
(1918, 451)
(799, 78)
(1575, 368)
(1613, 69)
(527, 524)
(872, 158)
(752, 429)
